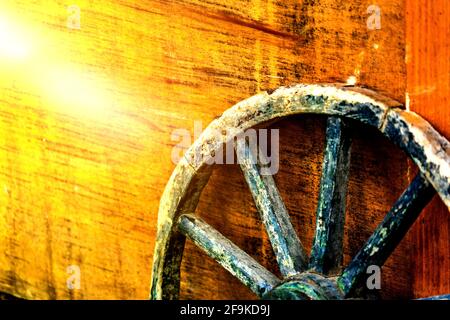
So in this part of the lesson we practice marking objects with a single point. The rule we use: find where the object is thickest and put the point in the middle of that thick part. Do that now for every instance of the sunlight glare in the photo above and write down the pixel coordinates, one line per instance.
(13, 44)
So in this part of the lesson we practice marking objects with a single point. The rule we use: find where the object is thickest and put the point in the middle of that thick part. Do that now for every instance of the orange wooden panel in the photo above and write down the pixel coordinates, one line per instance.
(428, 87)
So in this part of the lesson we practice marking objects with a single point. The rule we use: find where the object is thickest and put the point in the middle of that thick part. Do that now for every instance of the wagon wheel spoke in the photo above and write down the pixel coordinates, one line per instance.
(231, 257)
(389, 232)
(326, 253)
(286, 245)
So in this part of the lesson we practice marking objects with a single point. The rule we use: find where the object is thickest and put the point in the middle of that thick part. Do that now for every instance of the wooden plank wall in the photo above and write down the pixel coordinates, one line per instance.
(86, 117)
(428, 87)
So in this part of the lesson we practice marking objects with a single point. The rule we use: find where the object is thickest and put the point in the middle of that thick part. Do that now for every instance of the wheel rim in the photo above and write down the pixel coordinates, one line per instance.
(304, 278)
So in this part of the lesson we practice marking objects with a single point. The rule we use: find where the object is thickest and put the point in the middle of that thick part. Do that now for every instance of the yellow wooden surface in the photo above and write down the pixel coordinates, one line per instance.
(86, 118)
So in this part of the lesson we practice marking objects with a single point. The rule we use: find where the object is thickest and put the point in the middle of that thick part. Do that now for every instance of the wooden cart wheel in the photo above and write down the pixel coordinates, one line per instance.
(319, 276)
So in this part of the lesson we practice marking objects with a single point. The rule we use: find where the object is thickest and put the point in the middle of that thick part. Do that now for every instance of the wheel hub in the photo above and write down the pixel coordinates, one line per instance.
(306, 286)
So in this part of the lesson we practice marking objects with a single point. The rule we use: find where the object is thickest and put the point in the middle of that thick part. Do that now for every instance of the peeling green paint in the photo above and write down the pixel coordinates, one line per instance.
(287, 247)
(326, 253)
(227, 254)
(389, 233)
(306, 286)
